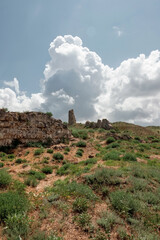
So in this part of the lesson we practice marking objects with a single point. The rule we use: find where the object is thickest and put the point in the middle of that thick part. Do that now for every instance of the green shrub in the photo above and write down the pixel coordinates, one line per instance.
(11, 156)
(17, 225)
(64, 169)
(31, 181)
(108, 220)
(49, 150)
(80, 134)
(110, 140)
(37, 175)
(113, 145)
(47, 170)
(18, 186)
(2, 154)
(129, 157)
(11, 203)
(19, 161)
(79, 153)
(49, 114)
(75, 189)
(58, 156)
(80, 205)
(81, 144)
(113, 155)
(122, 234)
(38, 152)
(102, 177)
(1, 164)
(67, 149)
(90, 161)
(5, 178)
(124, 202)
(84, 220)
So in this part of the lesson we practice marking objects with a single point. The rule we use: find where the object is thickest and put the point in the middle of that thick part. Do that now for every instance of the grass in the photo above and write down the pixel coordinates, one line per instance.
(5, 178)
(47, 170)
(108, 220)
(109, 195)
(38, 151)
(12, 203)
(103, 177)
(58, 156)
(81, 144)
(66, 189)
(124, 202)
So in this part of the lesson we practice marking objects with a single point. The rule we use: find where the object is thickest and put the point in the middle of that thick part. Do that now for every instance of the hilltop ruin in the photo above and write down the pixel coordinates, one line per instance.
(30, 127)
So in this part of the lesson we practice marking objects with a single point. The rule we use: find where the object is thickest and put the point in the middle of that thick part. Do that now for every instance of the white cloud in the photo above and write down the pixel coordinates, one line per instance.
(14, 84)
(118, 31)
(75, 77)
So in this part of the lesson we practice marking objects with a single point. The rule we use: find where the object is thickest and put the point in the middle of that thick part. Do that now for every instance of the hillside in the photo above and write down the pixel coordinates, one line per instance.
(99, 185)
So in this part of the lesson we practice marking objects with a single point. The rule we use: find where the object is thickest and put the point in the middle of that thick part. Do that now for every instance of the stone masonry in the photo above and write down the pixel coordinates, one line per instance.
(30, 127)
(104, 123)
(71, 117)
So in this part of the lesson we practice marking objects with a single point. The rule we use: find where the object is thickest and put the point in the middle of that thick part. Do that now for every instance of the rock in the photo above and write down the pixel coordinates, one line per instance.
(104, 123)
(31, 127)
(71, 117)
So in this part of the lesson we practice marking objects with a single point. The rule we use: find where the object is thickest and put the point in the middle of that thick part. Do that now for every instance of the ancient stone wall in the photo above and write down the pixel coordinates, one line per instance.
(104, 123)
(71, 117)
(30, 127)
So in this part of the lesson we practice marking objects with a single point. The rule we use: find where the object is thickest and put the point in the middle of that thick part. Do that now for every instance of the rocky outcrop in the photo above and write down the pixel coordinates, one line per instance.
(104, 123)
(30, 127)
(71, 117)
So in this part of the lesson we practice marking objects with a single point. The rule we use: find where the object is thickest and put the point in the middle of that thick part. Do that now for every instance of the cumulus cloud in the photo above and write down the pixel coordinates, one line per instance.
(75, 77)
(14, 84)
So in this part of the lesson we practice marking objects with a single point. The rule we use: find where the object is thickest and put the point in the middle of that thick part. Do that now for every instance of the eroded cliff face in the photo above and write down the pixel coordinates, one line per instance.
(30, 127)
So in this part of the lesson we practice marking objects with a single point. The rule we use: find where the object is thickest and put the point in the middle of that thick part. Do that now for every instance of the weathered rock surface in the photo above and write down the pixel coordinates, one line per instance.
(71, 117)
(104, 123)
(30, 127)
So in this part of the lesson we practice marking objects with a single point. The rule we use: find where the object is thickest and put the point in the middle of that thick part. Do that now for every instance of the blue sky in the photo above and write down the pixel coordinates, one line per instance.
(115, 30)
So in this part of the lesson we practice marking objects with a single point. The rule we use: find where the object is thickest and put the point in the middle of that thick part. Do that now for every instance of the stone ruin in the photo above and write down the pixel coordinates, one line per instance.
(71, 117)
(30, 127)
(104, 123)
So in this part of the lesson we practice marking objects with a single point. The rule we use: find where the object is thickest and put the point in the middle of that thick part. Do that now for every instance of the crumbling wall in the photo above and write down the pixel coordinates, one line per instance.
(104, 123)
(30, 127)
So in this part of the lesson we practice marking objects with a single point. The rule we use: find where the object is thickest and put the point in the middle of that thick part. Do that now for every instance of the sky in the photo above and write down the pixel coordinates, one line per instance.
(99, 57)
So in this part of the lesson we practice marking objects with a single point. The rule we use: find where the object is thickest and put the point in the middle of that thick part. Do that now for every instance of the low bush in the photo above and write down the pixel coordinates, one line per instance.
(108, 220)
(84, 221)
(47, 170)
(31, 181)
(5, 178)
(75, 189)
(113, 155)
(11, 156)
(37, 175)
(79, 153)
(49, 150)
(124, 202)
(11, 203)
(67, 149)
(81, 144)
(113, 145)
(38, 152)
(110, 140)
(129, 157)
(83, 134)
(90, 161)
(17, 225)
(1, 164)
(102, 177)
(19, 161)
(58, 156)
(80, 205)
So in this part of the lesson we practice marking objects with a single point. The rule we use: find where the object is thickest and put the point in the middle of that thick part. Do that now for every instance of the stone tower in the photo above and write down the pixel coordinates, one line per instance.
(71, 117)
